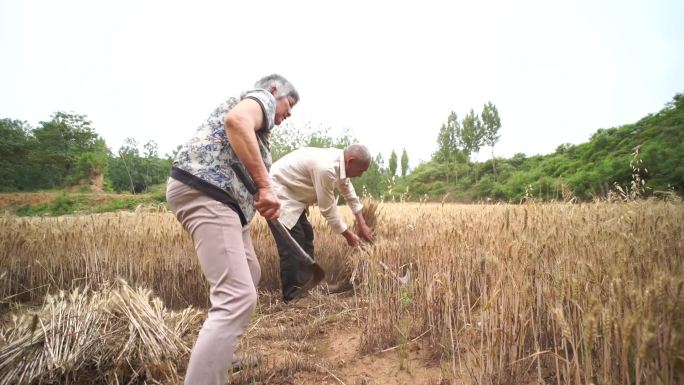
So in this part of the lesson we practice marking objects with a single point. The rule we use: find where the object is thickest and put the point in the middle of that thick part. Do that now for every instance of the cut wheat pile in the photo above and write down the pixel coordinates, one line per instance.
(113, 335)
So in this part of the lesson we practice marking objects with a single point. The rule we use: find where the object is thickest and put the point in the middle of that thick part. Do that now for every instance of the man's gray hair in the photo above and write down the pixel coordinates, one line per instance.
(283, 86)
(359, 152)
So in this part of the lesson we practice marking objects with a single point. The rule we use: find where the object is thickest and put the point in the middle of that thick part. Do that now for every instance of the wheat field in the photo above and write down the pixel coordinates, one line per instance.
(498, 294)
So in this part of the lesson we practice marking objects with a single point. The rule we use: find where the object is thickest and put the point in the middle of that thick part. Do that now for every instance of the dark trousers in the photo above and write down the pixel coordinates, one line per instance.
(294, 272)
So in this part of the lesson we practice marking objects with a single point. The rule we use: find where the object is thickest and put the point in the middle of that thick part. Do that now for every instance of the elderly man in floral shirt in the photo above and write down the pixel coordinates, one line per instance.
(215, 207)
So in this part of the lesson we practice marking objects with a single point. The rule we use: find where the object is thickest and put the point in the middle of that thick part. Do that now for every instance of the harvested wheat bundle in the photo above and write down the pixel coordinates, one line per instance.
(53, 341)
(113, 335)
(371, 212)
(350, 264)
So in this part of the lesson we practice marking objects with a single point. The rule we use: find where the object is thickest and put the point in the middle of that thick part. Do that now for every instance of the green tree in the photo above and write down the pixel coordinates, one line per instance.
(472, 133)
(126, 169)
(374, 182)
(59, 143)
(491, 124)
(392, 164)
(448, 144)
(155, 168)
(90, 165)
(404, 163)
(132, 171)
(16, 142)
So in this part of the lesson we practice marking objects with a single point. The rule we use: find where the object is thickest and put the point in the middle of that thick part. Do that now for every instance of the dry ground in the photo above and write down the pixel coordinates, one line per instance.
(316, 340)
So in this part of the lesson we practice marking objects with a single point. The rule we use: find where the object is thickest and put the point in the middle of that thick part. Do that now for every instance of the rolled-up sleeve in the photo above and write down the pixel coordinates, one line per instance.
(347, 190)
(324, 184)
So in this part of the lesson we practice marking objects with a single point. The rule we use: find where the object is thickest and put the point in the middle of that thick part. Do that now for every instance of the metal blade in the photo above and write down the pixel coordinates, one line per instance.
(317, 272)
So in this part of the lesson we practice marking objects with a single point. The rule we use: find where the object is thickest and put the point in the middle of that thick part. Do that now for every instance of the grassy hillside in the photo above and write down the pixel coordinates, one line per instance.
(586, 170)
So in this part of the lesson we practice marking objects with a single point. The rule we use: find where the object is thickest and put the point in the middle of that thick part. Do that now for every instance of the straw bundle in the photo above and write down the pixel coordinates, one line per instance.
(114, 335)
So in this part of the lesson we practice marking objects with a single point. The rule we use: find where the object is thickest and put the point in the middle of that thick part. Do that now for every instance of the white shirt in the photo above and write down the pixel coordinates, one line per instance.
(309, 175)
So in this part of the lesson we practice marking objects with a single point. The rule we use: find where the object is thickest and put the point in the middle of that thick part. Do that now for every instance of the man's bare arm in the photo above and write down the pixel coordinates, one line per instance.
(241, 124)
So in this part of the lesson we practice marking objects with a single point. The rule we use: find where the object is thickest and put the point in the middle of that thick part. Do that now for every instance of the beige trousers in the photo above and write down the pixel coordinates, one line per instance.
(228, 261)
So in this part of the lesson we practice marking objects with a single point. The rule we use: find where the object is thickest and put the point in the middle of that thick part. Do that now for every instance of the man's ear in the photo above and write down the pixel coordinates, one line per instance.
(273, 90)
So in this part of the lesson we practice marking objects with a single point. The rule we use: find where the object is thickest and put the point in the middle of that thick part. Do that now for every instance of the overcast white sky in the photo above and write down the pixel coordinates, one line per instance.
(390, 72)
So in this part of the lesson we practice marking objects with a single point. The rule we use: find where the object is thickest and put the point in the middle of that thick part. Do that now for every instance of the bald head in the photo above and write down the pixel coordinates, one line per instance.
(358, 151)
(357, 159)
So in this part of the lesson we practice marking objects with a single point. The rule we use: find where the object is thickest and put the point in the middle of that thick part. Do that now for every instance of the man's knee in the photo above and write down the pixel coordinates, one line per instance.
(247, 299)
(250, 297)
(242, 301)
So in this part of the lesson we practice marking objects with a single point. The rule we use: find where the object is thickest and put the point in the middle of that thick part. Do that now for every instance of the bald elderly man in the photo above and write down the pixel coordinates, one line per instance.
(307, 176)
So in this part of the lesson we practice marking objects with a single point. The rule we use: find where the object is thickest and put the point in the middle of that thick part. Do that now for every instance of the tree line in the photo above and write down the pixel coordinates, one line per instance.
(66, 151)
(644, 158)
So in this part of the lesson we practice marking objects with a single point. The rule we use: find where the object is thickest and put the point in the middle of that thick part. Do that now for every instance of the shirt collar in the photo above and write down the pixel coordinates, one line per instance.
(343, 171)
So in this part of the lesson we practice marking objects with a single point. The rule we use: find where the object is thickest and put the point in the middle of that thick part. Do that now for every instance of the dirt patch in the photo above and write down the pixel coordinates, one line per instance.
(13, 200)
(379, 368)
(96, 182)
(316, 340)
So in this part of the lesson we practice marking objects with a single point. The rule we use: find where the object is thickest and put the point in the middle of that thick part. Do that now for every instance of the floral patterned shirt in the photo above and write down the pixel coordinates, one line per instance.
(208, 154)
